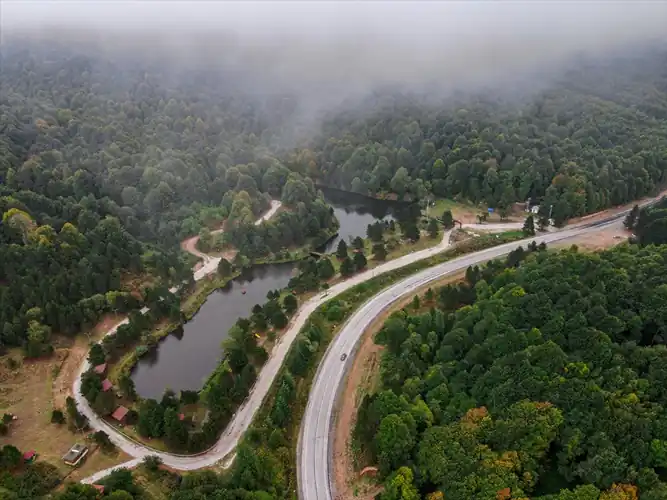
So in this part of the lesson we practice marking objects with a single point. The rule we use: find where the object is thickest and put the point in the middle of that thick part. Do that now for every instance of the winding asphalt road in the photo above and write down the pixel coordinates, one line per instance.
(242, 419)
(315, 447)
(314, 443)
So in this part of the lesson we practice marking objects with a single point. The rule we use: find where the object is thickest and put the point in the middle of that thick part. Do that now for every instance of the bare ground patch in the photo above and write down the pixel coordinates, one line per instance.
(74, 355)
(600, 240)
(28, 392)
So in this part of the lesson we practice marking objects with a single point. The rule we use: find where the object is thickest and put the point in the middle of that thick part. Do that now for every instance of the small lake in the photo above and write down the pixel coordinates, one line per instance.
(355, 212)
(186, 358)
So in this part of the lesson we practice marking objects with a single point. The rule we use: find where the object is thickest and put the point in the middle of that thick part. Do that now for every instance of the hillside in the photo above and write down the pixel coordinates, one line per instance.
(542, 377)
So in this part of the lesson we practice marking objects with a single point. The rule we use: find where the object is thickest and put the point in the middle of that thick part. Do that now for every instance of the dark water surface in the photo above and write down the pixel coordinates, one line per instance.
(186, 358)
(184, 361)
(355, 212)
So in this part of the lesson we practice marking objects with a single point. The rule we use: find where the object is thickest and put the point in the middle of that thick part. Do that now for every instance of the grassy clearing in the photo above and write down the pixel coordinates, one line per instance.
(27, 391)
(404, 248)
(465, 212)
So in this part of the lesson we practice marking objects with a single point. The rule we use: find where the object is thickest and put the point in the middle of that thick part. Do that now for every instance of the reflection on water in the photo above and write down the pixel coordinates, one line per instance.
(355, 212)
(185, 358)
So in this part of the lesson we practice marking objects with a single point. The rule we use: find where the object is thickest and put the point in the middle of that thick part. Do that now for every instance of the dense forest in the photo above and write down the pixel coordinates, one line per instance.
(543, 379)
(126, 156)
(543, 374)
(593, 138)
(649, 224)
(105, 166)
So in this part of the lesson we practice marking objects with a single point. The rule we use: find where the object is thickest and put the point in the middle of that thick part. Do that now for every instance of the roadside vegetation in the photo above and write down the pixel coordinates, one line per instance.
(552, 392)
(107, 163)
(265, 461)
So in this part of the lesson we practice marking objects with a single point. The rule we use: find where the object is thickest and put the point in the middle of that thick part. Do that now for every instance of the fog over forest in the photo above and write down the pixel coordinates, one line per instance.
(141, 139)
(333, 49)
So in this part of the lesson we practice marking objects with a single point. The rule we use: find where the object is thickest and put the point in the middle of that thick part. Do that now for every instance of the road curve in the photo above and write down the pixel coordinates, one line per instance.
(244, 415)
(190, 245)
(137, 450)
(315, 447)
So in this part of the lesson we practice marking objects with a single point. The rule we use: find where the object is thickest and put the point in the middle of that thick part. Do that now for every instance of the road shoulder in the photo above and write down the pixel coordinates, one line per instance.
(359, 381)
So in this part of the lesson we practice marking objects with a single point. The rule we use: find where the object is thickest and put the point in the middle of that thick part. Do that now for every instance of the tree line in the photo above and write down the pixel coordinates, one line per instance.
(104, 169)
(592, 139)
(541, 376)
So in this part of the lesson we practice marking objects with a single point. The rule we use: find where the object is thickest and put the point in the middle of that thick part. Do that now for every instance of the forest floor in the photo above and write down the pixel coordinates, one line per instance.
(30, 390)
(363, 379)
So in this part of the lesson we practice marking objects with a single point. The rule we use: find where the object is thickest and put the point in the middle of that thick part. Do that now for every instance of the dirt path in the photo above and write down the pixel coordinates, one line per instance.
(190, 245)
(74, 356)
(360, 380)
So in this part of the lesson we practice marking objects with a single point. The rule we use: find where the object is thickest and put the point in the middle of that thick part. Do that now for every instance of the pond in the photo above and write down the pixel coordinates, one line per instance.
(355, 212)
(185, 359)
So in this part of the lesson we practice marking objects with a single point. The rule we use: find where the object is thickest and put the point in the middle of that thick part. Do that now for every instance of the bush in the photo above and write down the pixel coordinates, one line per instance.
(10, 457)
(132, 417)
(290, 304)
(335, 313)
(57, 417)
(189, 397)
(102, 439)
(152, 463)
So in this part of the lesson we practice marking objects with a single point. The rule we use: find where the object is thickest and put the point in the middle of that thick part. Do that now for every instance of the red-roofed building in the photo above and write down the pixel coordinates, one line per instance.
(29, 456)
(119, 414)
(181, 417)
(99, 488)
(100, 369)
(106, 384)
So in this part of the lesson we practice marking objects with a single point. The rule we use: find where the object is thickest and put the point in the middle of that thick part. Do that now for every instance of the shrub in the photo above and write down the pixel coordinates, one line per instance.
(152, 463)
(57, 417)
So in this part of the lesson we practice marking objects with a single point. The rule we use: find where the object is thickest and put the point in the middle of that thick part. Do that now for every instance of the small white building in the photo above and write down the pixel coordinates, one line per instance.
(535, 209)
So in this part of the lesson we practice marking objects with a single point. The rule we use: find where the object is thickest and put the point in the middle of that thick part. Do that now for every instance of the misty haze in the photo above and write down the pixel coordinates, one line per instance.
(333, 250)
